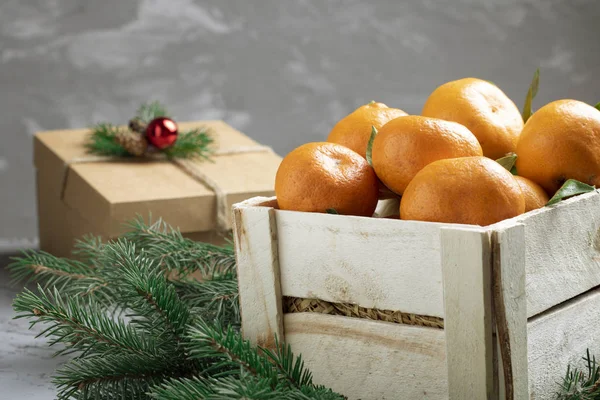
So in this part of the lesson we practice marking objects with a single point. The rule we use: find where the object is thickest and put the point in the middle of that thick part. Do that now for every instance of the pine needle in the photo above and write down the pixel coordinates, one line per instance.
(149, 111)
(69, 277)
(102, 141)
(139, 335)
(191, 144)
(176, 253)
(80, 326)
(213, 300)
(581, 384)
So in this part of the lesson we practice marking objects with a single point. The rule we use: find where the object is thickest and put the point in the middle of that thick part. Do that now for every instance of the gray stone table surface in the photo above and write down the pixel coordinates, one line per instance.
(26, 363)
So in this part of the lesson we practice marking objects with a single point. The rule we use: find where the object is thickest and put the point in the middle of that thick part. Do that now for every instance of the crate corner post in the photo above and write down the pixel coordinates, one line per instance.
(255, 241)
(510, 310)
(466, 259)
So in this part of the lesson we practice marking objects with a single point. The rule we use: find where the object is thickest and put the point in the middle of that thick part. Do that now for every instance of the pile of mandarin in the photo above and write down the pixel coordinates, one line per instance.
(443, 165)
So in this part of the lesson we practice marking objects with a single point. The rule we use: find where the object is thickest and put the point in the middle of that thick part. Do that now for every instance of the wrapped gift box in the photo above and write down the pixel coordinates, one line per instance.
(78, 195)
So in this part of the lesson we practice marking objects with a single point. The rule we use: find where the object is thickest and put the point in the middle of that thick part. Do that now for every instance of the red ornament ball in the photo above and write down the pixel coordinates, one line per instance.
(161, 132)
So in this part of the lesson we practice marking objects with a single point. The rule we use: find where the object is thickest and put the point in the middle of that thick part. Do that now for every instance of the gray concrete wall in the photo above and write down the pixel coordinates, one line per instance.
(282, 71)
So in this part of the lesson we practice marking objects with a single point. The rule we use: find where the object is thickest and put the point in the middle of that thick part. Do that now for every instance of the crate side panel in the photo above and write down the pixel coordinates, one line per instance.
(375, 263)
(562, 247)
(365, 359)
(560, 338)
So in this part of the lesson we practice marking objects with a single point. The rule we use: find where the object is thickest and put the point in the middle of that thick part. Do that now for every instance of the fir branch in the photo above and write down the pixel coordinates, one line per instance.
(280, 370)
(227, 388)
(81, 327)
(232, 352)
(191, 144)
(70, 277)
(581, 384)
(320, 392)
(182, 389)
(290, 369)
(213, 300)
(176, 253)
(88, 248)
(179, 330)
(246, 387)
(149, 111)
(102, 141)
(152, 298)
(112, 376)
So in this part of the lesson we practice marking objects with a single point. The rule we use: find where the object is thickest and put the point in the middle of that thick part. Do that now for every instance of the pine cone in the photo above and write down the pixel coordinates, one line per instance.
(137, 125)
(133, 142)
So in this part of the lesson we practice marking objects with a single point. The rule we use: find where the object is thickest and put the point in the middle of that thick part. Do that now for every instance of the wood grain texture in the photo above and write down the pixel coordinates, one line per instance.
(255, 238)
(466, 266)
(560, 338)
(510, 310)
(370, 360)
(390, 264)
(562, 247)
(375, 263)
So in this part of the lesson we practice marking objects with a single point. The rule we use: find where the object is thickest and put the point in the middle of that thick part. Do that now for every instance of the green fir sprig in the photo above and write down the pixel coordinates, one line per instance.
(142, 332)
(102, 141)
(180, 254)
(581, 384)
(195, 143)
(148, 111)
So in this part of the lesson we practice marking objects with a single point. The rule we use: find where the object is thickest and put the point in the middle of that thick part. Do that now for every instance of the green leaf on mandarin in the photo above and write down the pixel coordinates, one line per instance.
(531, 93)
(569, 189)
(370, 146)
(508, 162)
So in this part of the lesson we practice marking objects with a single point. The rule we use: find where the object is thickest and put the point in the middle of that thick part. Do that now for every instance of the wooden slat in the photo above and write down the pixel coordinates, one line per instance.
(370, 360)
(375, 263)
(466, 266)
(562, 247)
(560, 338)
(255, 238)
(510, 308)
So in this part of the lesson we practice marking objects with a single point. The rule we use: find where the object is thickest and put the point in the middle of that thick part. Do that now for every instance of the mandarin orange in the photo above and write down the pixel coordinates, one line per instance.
(468, 190)
(534, 195)
(354, 130)
(405, 145)
(317, 177)
(561, 141)
(483, 108)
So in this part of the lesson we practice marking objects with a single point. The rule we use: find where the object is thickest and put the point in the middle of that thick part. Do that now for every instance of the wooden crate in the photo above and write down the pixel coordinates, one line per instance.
(519, 299)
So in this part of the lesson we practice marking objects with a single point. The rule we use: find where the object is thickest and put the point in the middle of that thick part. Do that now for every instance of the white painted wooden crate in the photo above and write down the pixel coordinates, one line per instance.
(525, 287)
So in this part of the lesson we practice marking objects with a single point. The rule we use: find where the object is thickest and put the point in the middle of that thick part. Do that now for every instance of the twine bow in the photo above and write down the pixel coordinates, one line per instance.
(187, 166)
